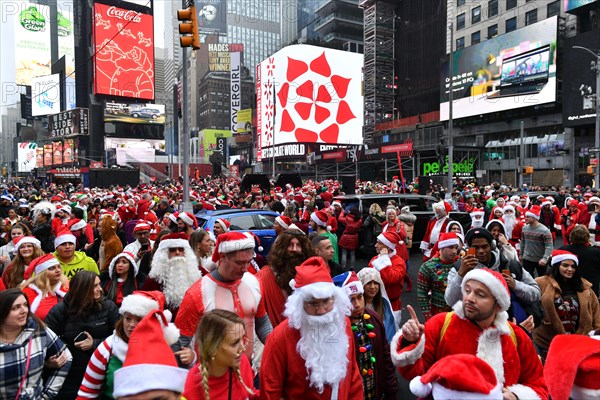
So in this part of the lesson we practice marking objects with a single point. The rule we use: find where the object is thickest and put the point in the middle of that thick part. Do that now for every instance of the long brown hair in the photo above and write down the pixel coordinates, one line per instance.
(282, 263)
(16, 274)
(80, 297)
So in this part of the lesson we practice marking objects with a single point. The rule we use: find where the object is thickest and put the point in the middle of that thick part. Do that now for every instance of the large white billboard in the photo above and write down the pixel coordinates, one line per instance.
(45, 95)
(309, 94)
(26, 152)
(32, 40)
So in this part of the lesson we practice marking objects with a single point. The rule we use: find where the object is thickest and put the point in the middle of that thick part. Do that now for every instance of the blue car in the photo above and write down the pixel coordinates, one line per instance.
(259, 222)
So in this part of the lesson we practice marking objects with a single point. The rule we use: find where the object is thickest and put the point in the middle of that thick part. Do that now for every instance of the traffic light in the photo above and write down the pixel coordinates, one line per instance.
(188, 28)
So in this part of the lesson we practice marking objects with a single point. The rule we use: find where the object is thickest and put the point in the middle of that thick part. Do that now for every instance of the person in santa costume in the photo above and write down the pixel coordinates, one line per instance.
(229, 287)
(477, 215)
(445, 380)
(47, 287)
(122, 278)
(150, 369)
(572, 368)
(523, 206)
(478, 326)
(435, 226)
(594, 223)
(281, 223)
(513, 225)
(187, 223)
(221, 226)
(391, 267)
(141, 248)
(569, 217)
(174, 270)
(303, 361)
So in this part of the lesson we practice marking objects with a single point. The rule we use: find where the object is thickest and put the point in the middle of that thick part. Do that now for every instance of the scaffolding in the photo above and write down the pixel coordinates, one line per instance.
(379, 78)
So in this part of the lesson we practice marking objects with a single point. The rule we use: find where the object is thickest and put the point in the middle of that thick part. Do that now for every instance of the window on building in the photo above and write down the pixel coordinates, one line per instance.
(553, 8)
(492, 31)
(511, 24)
(460, 3)
(475, 37)
(476, 15)
(460, 43)
(511, 4)
(493, 8)
(460, 21)
(531, 17)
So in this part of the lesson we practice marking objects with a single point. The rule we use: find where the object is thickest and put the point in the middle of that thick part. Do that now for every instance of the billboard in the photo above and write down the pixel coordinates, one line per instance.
(69, 123)
(578, 75)
(26, 156)
(135, 113)
(219, 58)
(309, 94)
(244, 121)
(48, 155)
(124, 59)
(569, 5)
(514, 70)
(212, 17)
(208, 142)
(66, 38)
(45, 95)
(235, 103)
(32, 41)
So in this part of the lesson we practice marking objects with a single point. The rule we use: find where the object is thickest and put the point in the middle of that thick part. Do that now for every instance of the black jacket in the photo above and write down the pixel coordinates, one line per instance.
(100, 324)
(43, 233)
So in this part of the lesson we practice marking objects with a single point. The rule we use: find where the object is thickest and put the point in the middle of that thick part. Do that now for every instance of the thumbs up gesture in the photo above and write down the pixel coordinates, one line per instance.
(412, 330)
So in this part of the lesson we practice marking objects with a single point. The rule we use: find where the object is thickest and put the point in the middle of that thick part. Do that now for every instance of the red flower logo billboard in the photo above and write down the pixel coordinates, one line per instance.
(124, 58)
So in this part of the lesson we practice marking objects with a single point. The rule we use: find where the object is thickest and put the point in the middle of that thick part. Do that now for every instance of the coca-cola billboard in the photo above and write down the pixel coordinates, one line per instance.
(124, 58)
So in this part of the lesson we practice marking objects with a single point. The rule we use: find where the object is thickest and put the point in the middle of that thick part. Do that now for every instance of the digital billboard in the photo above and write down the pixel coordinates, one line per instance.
(212, 17)
(124, 59)
(309, 94)
(66, 41)
(208, 142)
(577, 78)
(569, 5)
(514, 70)
(26, 156)
(32, 40)
(45, 95)
(135, 113)
(244, 121)
(219, 58)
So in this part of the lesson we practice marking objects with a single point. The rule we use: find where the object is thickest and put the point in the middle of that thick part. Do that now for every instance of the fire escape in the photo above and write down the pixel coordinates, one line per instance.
(379, 77)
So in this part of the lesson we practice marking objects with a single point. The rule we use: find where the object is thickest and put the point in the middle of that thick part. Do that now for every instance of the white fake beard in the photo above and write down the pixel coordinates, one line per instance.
(176, 275)
(509, 223)
(477, 223)
(324, 346)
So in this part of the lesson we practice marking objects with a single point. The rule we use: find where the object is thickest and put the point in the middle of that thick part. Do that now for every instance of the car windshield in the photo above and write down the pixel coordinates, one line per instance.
(266, 221)
(201, 222)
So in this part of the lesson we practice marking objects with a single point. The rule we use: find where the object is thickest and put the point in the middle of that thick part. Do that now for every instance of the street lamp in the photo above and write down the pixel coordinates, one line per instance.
(595, 66)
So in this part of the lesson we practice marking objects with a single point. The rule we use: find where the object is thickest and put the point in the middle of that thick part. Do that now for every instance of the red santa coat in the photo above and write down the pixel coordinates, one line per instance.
(274, 297)
(432, 234)
(398, 227)
(242, 297)
(286, 375)
(41, 305)
(517, 366)
(392, 270)
(522, 211)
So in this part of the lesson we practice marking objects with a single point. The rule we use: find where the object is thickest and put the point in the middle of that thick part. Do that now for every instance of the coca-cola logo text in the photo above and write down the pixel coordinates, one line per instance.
(127, 15)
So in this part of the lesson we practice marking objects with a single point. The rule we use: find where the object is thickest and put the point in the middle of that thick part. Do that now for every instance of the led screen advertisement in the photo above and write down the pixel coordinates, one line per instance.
(135, 113)
(569, 5)
(212, 17)
(514, 70)
(26, 156)
(32, 39)
(308, 94)
(124, 60)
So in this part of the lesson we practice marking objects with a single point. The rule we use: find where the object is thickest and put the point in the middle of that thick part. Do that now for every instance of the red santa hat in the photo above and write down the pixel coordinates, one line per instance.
(321, 218)
(313, 280)
(225, 225)
(129, 256)
(189, 219)
(40, 264)
(509, 207)
(494, 282)
(546, 202)
(173, 216)
(390, 239)
(229, 242)
(336, 203)
(64, 237)
(497, 208)
(572, 368)
(256, 239)
(534, 212)
(150, 363)
(446, 379)
(77, 224)
(142, 226)
(27, 239)
(283, 221)
(476, 212)
(442, 205)
(64, 208)
(448, 239)
(349, 282)
(559, 256)
(174, 240)
(140, 303)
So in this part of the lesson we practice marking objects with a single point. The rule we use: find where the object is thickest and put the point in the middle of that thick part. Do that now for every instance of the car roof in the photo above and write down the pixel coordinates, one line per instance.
(383, 195)
(235, 211)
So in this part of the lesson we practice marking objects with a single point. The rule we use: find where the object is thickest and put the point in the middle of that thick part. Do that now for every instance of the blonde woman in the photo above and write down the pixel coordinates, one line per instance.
(223, 370)
(26, 249)
(47, 287)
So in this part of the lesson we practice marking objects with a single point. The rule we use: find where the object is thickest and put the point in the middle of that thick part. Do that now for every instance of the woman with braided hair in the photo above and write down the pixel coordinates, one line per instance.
(223, 370)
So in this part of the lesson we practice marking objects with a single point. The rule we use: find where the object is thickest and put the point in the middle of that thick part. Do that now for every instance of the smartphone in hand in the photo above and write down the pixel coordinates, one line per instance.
(80, 337)
(471, 251)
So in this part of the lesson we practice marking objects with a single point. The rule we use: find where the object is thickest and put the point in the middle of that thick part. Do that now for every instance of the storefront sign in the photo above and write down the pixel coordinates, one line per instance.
(68, 172)
(284, 151)
(464, 168)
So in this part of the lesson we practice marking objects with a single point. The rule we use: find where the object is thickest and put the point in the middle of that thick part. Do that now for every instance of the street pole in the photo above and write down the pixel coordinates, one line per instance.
(521, 154)
(450, 119)
(595, 66)
(186, 135)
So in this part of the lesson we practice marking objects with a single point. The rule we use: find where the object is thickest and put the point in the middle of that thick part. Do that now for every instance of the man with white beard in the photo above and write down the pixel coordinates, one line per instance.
(477, 217)
(513, 225)
(436, 225)
(311, 355)
(174, 269)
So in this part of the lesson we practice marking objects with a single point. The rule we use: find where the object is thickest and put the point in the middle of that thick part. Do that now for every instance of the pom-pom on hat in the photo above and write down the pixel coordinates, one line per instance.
(173, 240)
(284, 221)
(390, 239)
(313, 279)
(64, 237)
(40, 264)
(494, 282)
(448, 239)
(150, 363)
(559, 256)
(224, 224)
(320, 218)
(229, 242)
(189, 219)
(256, 239)
(349, 282)
(27, 239)
(534, 212)
(142, 226)
(445, 380)
(129, 256)
(572, 368)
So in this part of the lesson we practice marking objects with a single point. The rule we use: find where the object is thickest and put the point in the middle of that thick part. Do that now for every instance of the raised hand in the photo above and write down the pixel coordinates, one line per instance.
(412, 330)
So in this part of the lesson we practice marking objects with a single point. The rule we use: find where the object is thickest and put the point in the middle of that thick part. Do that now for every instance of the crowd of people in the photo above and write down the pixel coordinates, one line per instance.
(117, 293)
